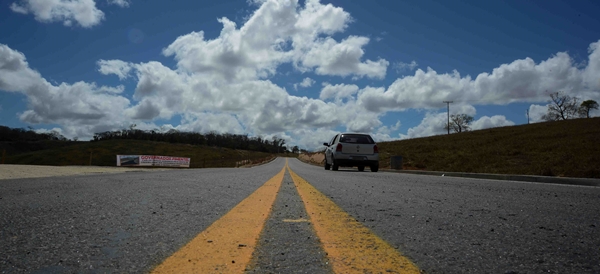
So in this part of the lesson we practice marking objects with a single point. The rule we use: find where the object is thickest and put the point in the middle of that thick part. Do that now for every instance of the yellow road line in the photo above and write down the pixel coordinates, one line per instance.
(350, 246)
(227, 245)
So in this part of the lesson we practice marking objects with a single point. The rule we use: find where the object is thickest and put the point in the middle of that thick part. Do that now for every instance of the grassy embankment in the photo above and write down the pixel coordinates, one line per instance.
(104, 153)
(564, 148)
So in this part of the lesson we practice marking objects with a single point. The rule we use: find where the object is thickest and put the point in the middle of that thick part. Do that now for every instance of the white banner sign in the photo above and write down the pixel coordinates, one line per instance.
(152, 160)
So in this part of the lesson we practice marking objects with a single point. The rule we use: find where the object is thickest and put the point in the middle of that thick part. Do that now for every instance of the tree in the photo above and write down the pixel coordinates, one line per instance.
(460, 122)
(561, 107)
(586, 106)
(295, 149)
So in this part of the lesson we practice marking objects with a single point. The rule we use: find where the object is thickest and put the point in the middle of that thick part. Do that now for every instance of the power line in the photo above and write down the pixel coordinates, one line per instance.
(448, 104)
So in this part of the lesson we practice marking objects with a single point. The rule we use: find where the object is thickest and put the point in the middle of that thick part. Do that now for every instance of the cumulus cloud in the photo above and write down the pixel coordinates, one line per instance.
(280, 31)
(432, 124)
(82, 12)
(536, 112)
(343, 59)
(491, 122)
(307, 82)
(207, 122)
(106, 89)
(15, 74)
(146, 110)
(401, 67)
(312, 139)
(82, 105)
(591, 72)
(120, 3)
(116, 67)
(435, 124)
(338, 92)
(519, 81)
(223, 83)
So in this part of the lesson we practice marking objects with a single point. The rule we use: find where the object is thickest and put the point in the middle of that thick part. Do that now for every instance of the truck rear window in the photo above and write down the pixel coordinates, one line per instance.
(356, 139)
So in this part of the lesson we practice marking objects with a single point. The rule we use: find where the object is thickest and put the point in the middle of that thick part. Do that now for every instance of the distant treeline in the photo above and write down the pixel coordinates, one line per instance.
(226, 140)
(8, 134)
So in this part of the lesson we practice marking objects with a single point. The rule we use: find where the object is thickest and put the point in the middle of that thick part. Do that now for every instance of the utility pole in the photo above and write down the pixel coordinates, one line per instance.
(528, 116)
(448, 104)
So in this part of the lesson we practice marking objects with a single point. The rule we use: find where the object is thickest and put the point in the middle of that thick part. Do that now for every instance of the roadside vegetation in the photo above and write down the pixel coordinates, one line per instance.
(104, 154)
(569, 148)
(24, 146)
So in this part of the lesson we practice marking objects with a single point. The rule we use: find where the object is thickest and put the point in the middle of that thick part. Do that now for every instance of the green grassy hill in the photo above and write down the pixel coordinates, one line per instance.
(564, 148)
(104, 153)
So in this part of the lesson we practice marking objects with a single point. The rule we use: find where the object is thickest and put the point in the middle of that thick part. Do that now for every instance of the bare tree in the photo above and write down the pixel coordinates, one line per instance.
(460, 122)
(562, 107)
(586, 106)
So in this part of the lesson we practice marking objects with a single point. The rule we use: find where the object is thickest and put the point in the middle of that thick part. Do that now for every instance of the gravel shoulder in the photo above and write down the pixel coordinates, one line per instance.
(34, 171)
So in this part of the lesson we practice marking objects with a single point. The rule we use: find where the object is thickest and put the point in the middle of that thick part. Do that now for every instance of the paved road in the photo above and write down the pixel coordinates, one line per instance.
(459, 225)
(124, 223)
(132, 222)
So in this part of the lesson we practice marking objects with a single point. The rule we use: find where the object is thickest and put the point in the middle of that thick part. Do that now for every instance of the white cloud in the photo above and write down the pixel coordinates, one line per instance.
(364, 122)
(435, 123)
(338, 92)
(83, 12)
(432, 124)
(207, 122)
(120, 3)
(307, 82)
(400, 66)
(15, 74)
(145, 110)
(343, 59)
(491, 122)
(105, 89)
(383, 133)
(591, 72)
(80, 108)
(461, 108)
(536, 112)
(519, 81)
(280, 31)
(223, 83)
(312, 139)
(116, 67)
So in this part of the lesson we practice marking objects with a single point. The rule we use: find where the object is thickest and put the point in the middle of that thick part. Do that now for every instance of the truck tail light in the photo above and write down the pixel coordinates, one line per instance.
(375, 149)
(339, 147)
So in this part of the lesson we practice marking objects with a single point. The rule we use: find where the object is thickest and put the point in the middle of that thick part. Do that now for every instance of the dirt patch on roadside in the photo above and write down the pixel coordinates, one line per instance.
(315, 158)
(32, 171)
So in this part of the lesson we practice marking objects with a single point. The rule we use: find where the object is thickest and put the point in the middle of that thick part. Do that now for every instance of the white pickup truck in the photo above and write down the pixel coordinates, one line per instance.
(351, 150)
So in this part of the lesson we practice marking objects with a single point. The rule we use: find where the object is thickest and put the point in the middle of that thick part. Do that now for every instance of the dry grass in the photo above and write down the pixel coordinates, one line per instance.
(104, 154)
(565, 148)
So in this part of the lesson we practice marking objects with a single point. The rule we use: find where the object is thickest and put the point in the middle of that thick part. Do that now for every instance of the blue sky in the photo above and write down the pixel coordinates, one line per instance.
(299, 70)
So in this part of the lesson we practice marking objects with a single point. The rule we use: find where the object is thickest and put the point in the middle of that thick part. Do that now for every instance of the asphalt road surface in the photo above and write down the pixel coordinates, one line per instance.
(132, 222)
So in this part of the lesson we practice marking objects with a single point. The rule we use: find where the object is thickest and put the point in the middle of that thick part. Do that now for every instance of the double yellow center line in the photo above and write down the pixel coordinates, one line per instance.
(227, 245)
